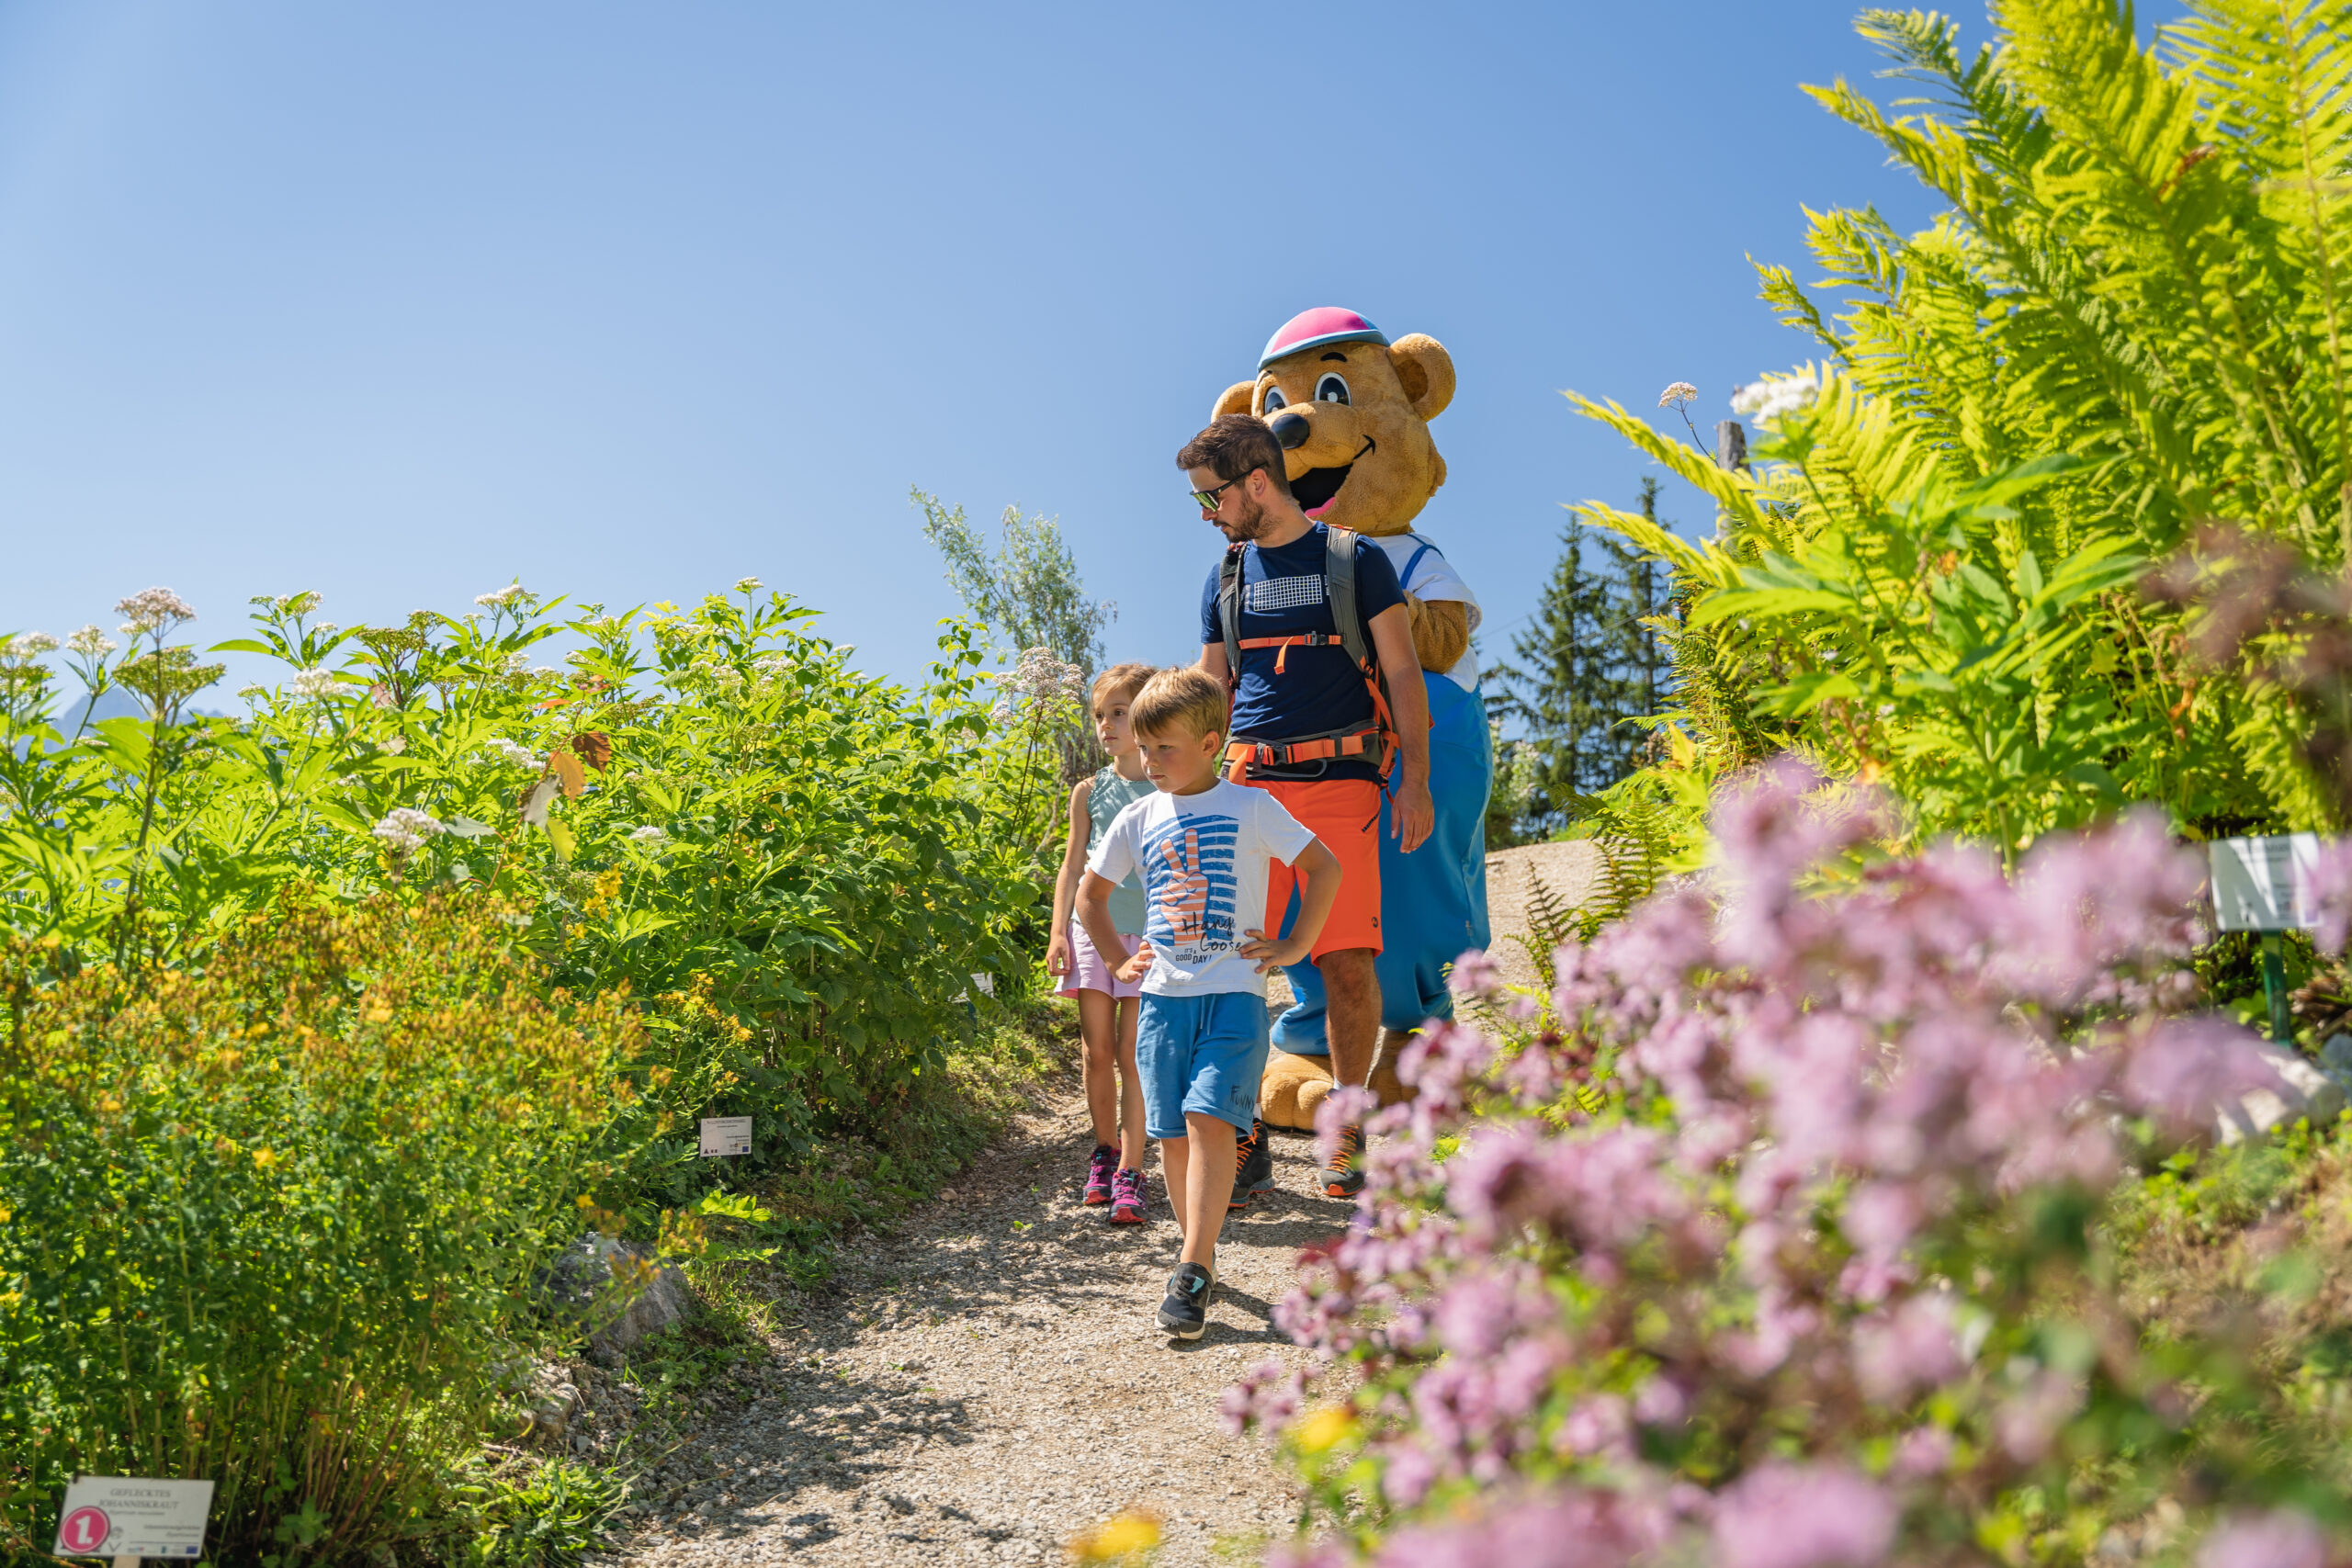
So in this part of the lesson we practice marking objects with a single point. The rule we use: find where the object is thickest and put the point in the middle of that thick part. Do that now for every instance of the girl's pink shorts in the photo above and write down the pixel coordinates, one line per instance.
(1089, 973)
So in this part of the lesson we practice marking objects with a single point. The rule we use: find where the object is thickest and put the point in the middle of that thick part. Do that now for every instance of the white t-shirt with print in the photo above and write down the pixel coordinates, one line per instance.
(1202, 859)
(1434, 577)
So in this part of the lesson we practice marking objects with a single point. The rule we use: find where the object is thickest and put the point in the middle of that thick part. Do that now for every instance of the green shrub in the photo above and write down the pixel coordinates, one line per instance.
(277, 1222)
(303, 1093)
(797, 868)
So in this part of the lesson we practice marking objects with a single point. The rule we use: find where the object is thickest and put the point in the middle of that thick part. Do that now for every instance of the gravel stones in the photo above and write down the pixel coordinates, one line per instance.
(988, 1383)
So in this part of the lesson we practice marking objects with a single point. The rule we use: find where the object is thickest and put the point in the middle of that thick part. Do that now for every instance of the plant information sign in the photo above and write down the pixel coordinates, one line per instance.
(726, 1135)
(2265, 885)
(129, 1517)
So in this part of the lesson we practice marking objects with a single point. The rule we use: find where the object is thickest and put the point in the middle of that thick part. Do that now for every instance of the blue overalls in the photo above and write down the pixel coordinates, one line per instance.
(1434, 901)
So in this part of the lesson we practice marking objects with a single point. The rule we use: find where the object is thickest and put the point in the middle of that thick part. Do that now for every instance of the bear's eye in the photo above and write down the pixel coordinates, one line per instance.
(1274, 400)
(1331, 389)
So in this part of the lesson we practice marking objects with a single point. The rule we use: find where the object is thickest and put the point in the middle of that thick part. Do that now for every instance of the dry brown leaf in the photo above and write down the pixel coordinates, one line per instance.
(566, 767)
(594, 748)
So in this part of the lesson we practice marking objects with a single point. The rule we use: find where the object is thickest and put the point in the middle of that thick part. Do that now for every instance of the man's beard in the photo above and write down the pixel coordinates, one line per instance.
(1249, 522)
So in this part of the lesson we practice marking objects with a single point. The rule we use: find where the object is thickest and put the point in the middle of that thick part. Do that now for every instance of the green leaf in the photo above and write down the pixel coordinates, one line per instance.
(1807, 692)
(634, 923)
(1766, 604)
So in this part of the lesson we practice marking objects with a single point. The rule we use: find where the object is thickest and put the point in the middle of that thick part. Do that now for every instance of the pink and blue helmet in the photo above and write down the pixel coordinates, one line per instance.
(1312, 329)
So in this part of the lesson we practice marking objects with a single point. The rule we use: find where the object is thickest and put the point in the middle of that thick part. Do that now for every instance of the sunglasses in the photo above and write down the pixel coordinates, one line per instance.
(1211, 499)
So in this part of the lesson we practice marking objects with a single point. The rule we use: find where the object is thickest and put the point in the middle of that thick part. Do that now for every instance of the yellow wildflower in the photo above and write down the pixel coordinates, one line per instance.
(1323, 1430)
(1132, 1534)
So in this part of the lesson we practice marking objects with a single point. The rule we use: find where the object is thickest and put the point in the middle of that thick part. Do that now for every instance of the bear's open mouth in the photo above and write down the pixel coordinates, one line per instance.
(1314, 489)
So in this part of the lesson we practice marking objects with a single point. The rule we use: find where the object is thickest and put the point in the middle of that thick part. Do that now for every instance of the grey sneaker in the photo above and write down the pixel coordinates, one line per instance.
(1344, 1177)
(1185, 1313)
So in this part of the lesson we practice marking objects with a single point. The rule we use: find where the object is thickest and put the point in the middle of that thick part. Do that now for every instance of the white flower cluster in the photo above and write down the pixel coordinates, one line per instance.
(91, 643)
(405, 828)
(649, 834)
(314, 682)
(747, 585)
(152, 610)
(1039, 677)
(521, 756)
(27, 645)
(1677, 395)
(716, 671)
(1775, 396)
(499, 598)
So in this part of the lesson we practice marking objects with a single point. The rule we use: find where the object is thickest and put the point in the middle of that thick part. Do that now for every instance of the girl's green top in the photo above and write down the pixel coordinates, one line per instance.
(1110, 796)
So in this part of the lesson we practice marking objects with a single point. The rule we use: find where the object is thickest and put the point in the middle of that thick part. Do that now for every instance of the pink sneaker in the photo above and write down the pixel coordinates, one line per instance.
(1098, 1175)
(1126, 1198)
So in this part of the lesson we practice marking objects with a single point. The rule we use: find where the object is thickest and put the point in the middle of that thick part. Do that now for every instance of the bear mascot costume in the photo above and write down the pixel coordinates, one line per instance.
(1352, 412)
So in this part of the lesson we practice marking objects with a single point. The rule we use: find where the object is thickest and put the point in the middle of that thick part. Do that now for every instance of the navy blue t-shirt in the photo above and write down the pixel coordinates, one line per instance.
(1318, 688)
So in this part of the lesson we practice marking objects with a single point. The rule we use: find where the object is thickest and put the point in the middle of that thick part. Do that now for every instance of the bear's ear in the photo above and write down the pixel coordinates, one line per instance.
(1426, 371)
(1237, 399)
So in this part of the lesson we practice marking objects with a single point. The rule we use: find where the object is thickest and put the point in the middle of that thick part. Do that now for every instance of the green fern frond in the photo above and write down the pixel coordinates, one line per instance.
(1731, 490)
(1796, 309)
(2180, 234)
(2275, 77)
(2001, 126)
(1702, 565)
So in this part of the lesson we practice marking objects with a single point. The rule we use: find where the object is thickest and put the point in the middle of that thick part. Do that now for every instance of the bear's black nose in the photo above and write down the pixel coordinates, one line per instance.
(1292, 429)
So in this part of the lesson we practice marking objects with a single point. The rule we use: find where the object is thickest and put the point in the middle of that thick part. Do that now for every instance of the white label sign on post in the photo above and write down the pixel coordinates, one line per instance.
(121, 1515)
(726, 1135)
(2265, 885)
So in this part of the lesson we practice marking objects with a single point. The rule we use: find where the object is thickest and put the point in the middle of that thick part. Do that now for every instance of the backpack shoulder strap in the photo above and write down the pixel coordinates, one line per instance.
(1228, 611)
(1427, 549)
(1339, 591)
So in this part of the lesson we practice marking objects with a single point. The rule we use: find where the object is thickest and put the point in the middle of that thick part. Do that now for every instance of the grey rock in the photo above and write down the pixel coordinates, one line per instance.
(2303, 1091)
(620, 1292)
(548, 1391)
(2335, 1059)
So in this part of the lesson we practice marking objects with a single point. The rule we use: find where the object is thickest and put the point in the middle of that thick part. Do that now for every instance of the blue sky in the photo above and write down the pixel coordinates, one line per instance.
(401, 302)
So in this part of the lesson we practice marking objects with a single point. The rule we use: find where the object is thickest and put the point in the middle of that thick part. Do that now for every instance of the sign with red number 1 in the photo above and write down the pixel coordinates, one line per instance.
(123, 1516)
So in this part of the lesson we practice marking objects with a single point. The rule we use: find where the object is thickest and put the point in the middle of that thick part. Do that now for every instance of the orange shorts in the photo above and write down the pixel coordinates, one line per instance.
(1344, 814)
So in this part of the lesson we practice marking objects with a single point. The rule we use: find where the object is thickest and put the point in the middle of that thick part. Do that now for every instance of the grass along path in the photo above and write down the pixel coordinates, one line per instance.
(985, 1381)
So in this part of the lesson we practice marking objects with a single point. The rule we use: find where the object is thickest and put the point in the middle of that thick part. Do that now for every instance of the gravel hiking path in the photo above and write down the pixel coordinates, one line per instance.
(985, 1381)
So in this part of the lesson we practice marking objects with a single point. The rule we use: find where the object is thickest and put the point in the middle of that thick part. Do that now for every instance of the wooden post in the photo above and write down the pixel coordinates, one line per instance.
(1731, 445)
(1731, 455)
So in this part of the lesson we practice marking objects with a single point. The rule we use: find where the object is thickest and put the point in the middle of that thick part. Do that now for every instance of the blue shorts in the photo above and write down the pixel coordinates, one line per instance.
(1204, 1055)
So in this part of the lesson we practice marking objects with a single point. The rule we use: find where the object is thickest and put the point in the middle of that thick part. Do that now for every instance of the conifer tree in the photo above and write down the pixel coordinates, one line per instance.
(1586, 667)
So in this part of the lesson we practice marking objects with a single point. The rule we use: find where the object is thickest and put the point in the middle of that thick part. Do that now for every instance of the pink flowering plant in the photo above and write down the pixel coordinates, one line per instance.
(1775, 1235)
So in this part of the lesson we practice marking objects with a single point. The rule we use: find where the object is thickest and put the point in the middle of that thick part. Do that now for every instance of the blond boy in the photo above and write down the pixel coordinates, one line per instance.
(1202, 846)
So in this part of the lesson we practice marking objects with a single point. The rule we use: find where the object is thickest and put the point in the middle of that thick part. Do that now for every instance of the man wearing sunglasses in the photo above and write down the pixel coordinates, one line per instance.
(1297, 689)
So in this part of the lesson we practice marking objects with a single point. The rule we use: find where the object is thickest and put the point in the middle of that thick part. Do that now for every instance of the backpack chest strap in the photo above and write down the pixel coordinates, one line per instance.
(1284, 644)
